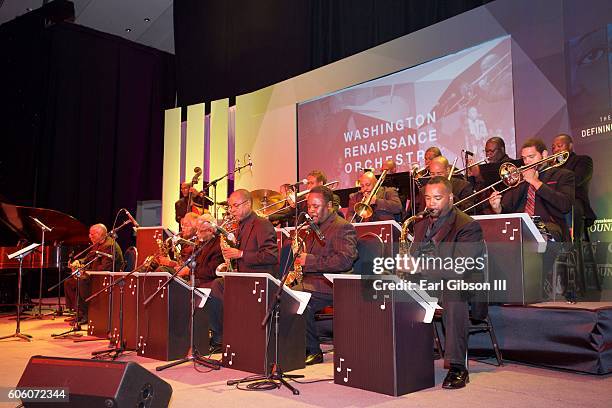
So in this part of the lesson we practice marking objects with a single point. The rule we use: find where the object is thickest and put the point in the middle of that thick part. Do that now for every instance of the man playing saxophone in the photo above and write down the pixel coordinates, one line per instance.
(335, 255)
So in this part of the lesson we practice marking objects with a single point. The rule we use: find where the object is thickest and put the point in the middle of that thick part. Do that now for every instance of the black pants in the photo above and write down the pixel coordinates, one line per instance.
(455, 317)
(215, 308)
(318, 301)
(70, 292)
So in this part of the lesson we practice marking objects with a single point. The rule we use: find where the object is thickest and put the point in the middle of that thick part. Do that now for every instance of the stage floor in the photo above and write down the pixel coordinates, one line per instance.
(513, 385)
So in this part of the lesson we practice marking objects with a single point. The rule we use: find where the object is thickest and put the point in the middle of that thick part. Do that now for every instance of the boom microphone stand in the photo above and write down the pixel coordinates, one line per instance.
(213, 183)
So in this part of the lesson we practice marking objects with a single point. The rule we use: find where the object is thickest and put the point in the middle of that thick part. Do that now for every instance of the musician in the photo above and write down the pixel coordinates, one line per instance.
(439, 166)
(548, 194)
(390, 166)
(102, 243)
(335, 255)
(386, 205)
(449, 233)
(257, 250)
(430, 154)
(582, 166)
(189, 224)
(189, 200)
(206, 263)
(313, 179)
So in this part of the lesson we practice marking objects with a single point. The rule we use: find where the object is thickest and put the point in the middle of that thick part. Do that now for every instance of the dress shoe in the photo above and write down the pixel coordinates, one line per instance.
(69, 319)
(456, 378)
(315, 358)
(214, 348)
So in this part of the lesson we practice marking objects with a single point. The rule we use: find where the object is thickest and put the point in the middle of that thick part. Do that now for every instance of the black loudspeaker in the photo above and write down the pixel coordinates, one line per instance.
(94, 383)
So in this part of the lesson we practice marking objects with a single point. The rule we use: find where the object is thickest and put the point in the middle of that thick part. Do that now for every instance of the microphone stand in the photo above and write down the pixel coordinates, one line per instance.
(118, 346)
(43, 228)
(76, 326)
(213, 184)
(193, 354)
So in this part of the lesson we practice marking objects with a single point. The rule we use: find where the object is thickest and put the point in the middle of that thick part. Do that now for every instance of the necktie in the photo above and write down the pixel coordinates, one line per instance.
(530, 206)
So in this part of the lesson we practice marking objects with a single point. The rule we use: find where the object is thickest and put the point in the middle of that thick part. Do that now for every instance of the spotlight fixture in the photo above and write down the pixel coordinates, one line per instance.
(147, 19)
(127, 30)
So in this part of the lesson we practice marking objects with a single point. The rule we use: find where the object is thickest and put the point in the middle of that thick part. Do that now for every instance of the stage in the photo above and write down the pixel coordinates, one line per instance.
(513, 385)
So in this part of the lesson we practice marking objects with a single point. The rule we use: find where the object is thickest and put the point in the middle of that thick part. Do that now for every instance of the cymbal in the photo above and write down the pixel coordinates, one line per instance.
(263, 198)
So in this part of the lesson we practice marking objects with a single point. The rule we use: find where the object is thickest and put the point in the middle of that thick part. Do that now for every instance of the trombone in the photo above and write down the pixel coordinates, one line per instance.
(466, 168)
(363, 208)
(291, 197)
(511, 175)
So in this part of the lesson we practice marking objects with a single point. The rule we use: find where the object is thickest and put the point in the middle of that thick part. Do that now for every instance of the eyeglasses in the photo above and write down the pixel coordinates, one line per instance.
(236, 206)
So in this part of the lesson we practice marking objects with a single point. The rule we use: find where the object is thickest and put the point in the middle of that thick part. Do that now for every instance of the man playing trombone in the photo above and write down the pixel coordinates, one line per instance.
(385, 202)
(548, 192)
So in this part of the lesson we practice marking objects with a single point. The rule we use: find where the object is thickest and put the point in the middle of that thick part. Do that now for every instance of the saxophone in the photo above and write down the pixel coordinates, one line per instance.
(405, 243)
(227, 240)
(295, 276)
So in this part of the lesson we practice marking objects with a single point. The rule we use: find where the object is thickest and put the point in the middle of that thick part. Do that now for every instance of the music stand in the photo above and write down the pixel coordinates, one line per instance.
(22, 253)
(43, 228)
(193, 354)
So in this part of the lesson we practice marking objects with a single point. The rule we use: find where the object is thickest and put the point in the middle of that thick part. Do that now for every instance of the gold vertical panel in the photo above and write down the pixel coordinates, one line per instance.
(219, 145)
(171, 166)
(194, 144)
(265, 129)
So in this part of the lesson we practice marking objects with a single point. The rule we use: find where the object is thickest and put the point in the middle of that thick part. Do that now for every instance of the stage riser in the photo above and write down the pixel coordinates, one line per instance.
(565, 338)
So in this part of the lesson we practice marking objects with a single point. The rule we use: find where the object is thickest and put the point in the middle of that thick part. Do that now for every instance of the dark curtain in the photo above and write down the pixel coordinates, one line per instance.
(83, 120)
(226, 48)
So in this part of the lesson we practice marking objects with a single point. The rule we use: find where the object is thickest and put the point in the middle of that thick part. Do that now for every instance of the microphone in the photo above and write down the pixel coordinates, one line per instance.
(314, 227)
(132, 220)
(302, 181)
(99, 253)
(467, 152)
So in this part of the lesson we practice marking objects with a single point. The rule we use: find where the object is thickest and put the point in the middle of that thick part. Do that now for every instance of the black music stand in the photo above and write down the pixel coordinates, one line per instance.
(269, 381)
(193, 354)
(22, 253)
(43, 228)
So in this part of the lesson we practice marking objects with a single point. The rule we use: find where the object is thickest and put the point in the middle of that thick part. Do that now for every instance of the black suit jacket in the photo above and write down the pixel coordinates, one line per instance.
(208, 259)
(554, 199)
(582, 166)
(257, 240)
(336, 255)
(458, 236)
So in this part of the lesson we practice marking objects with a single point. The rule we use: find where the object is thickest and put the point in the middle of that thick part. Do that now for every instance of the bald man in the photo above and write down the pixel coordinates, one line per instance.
(439, 166)
(257, 250)
(386, 205)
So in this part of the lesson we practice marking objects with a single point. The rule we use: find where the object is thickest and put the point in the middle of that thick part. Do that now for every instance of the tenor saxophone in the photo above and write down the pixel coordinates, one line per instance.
(227, 240)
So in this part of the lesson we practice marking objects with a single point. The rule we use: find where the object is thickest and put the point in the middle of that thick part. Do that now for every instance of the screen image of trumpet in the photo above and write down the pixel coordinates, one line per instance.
(455, 102)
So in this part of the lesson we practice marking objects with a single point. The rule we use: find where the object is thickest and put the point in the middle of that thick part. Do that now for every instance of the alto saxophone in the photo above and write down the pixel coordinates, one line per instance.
(227, 240)
(295, 276)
